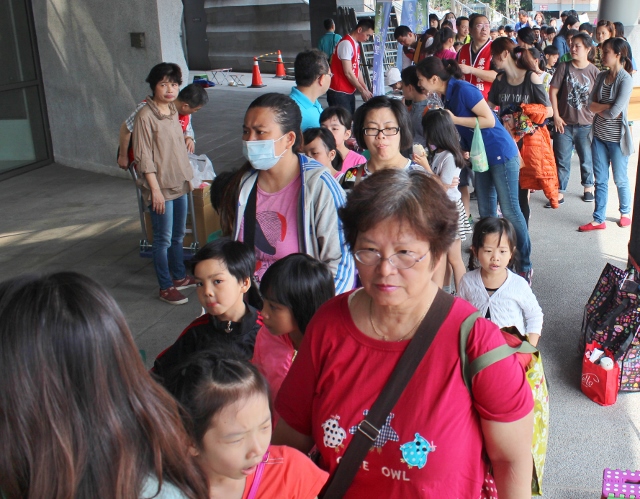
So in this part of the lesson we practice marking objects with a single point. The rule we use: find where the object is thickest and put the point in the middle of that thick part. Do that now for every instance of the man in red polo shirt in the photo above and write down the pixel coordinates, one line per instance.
(475, 57)
(345, 66)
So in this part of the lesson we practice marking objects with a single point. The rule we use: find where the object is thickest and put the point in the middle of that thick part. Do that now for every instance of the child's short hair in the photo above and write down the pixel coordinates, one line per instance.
(551, 50)
(210, 381)
(239, 259)
(344, 116)
(194, 96)
(300, 283)
(493, 225)
(159, 72)
(551, 30)
(588, 27)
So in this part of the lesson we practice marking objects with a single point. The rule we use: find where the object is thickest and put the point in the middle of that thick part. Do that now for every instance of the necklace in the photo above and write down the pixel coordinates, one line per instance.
(228, 328)
(382, 336)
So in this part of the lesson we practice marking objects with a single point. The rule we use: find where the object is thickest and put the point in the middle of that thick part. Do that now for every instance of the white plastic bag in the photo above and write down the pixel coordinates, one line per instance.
(202, 169)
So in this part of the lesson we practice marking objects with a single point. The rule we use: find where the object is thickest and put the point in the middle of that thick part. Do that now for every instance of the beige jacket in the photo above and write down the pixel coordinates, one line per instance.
(158, 147)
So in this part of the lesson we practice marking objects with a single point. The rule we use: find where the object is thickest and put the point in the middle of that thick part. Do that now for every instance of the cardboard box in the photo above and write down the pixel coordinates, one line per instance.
(207, 220)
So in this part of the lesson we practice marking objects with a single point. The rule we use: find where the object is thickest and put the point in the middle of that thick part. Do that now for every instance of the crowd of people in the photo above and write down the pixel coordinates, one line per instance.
(332, 264)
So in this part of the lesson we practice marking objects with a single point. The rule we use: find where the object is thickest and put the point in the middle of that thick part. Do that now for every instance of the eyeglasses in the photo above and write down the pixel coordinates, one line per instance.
(329, 74)
(373, 132)
(483, 25)
(398, 260)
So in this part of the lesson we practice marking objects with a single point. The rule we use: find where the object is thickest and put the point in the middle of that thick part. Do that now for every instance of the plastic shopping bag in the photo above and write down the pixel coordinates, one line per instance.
(478, 155)
(202, 169)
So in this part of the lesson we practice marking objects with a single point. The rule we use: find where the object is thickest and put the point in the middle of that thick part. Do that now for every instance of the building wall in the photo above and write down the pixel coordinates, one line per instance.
(92, 76)
(239, 30)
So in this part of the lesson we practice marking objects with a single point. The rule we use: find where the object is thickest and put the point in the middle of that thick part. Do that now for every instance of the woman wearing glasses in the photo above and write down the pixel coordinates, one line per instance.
(398, 225)
(383, 127)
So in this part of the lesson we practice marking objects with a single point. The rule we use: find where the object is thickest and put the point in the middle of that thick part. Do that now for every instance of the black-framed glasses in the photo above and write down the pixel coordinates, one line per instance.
(398, 260)
(373, 132)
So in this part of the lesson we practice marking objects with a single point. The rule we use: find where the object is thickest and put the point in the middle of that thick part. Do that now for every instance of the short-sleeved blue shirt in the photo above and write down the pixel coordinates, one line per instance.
(460, 99)
(311, 111)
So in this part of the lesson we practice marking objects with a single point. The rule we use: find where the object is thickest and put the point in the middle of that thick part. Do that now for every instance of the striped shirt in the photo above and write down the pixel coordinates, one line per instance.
(608, 130)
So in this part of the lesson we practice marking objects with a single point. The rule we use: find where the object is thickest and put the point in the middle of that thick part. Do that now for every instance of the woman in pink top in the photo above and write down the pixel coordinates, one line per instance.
(293, 289)
(338, 120)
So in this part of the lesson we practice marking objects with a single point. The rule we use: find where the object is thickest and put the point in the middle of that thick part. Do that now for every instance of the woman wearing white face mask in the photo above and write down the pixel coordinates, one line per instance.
(282, 202)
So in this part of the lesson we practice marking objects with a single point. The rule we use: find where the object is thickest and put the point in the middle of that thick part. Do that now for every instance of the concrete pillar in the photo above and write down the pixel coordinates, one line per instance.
(93, 76)
(625, 11)
(319, 10)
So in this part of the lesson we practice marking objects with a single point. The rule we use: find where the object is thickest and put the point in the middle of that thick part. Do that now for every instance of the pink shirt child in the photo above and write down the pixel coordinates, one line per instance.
(273, 355)
(352, 159)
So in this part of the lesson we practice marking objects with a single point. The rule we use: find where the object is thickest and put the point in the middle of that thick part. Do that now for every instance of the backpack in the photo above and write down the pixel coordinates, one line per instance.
(535, 376)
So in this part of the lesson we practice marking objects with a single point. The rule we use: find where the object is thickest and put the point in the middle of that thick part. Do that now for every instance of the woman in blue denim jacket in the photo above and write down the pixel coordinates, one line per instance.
(611, 140)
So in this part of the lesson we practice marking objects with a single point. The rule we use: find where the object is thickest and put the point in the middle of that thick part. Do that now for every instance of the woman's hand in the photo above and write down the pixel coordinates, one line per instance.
(453, 116)
(123, 161)
(422, 161)
(157, 201)
(466, 70)
(191, 145)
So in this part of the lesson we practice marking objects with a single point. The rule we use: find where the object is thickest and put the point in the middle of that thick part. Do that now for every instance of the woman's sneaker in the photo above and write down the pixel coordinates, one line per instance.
(173, 296)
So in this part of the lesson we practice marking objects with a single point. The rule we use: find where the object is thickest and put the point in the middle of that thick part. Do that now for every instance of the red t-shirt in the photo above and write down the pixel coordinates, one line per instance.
(431, 444)
(288, 473)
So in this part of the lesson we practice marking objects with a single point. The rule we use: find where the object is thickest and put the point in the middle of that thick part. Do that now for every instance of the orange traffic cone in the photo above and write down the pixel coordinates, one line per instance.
(280, 71)
(256, 79)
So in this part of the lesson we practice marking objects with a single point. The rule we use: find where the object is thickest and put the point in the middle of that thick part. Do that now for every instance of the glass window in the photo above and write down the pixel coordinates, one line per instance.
(16, 50)
(22, 131)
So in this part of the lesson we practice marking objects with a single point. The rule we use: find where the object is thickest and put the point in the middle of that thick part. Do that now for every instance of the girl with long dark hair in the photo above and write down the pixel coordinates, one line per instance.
(81, 416)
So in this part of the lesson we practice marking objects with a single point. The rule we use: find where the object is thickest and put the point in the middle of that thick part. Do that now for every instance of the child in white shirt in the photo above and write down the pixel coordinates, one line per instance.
(501, 295)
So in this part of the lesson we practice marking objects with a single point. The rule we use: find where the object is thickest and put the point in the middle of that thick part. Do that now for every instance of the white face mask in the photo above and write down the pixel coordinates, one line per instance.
(261, 153)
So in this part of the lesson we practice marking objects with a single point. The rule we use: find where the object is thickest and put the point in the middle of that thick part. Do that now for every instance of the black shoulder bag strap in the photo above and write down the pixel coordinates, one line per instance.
(369, 428)
(249, 232)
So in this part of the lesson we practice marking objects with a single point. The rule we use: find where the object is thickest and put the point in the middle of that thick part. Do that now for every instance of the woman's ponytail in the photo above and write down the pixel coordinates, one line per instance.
(453, 68)
(524, 59)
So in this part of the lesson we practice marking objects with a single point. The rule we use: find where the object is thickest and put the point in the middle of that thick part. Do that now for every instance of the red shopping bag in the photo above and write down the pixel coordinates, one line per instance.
(598, 384)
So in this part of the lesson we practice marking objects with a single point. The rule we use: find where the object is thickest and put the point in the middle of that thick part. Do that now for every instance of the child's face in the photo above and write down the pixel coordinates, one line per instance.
(495, 254)
(219, 292)
(237, 439)
(552, 59)
(339, 131)
(278, 319)
(166, 91)
(317, 150)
